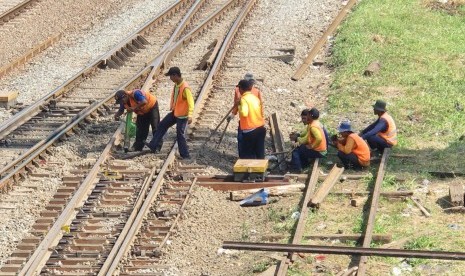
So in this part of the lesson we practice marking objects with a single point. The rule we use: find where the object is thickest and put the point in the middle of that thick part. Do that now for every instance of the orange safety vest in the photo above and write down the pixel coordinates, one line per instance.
(361, 149)
(180, 107)
(322, 146)
(390, 135)
(254, 118)
(151, 101)
(237, 97)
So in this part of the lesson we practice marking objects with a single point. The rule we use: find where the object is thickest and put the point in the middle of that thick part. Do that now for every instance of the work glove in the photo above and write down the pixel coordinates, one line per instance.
(295, 145)
(230, 117)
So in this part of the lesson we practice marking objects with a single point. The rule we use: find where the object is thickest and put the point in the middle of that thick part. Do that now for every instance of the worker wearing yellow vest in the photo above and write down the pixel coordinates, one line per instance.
(145, 105)
(309, 145)
(251, 123)
(383, 132)
(353, 151)
(237, 96)
(182, 109)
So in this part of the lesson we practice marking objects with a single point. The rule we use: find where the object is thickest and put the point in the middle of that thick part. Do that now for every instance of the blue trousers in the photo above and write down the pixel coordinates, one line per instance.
(253, 144)
(377, 142)
(350, 161)
(301, 157)
(240, 140)
(165, 124)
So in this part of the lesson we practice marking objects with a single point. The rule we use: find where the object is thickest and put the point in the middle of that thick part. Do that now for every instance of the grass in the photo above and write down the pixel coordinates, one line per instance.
(422, 54)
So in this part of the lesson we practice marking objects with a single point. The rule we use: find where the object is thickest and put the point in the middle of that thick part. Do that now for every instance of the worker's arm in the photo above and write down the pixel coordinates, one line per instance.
(379, 126)
(348, 147)
(187, 94)
(237, 98)
(243, 108)
(303, 137)
(317, 135)
(140, 101)
(370, 127)
(120, 111)
(262, 109)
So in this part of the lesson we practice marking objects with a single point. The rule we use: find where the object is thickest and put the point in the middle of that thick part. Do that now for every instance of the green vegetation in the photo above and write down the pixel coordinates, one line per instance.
(422, 54)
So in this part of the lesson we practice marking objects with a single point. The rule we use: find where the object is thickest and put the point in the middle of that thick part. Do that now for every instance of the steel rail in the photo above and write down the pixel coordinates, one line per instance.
(373, 209)
(312, 180)
(30, 111)
(42, 253)
(11, 13)
(312, 54)
(341, 250)
(112, 263)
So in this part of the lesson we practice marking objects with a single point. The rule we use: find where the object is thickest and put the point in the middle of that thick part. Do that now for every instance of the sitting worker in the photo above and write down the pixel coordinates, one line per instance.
(312, 145)
(251, 123)
(383, 132)
(145, 105)
(237, 96)
(300, 136)
(352, 149)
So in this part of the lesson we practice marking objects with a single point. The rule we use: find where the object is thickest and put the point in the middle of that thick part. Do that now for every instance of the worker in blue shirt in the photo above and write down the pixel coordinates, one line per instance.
(383, 132)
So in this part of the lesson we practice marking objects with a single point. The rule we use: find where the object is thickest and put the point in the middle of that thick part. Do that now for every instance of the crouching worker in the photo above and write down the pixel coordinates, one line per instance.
(352, 149)
(145, 105)
(309, 145)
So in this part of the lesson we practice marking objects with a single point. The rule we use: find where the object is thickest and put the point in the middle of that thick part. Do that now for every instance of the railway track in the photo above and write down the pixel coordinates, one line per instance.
(13, 8)
(27, 134)
(96, 224)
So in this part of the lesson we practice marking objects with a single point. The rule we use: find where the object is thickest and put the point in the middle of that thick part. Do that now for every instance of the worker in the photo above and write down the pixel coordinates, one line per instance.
(251, 123)
(296, 136)
(145, 105)
(353, 151)
(312, 144)
(237, 96)
(383, 132)
(181, 111)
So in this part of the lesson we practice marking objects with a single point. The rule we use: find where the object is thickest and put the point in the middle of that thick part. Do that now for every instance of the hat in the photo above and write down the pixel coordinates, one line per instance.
(249, 77)
(174, 71)
(344, 126)
(119, 95)
(380, 105)
(314, 113)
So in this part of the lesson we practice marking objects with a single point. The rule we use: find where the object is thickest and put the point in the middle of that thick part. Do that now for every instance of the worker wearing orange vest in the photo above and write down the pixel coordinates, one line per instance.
(251, 123)
(383, 132)
(182, 109)
(310, 145)
(237, 96)
(352, 149)
(145, 105)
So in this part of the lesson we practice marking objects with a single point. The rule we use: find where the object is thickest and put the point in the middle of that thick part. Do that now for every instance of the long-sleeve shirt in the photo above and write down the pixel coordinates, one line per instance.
(303, 137)
(187, 94)
(237, 98)
(138, 96)
(379, 125)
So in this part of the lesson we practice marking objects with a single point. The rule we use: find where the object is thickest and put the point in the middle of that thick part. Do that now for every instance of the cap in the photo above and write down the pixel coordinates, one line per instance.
(380, 105)
(173, 71)
(119, 95)
(248, 77)
(344, 126)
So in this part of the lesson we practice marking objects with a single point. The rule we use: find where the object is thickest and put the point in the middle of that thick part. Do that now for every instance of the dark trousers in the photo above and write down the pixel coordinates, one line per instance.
(350, 161)
(377, 142)
(253, 144)
(301, 157)
(165, 124)
(143, 122)
(240, 140)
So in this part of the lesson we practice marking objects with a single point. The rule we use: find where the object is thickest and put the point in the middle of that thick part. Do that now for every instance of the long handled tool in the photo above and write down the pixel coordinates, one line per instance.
(216, 129)
(222, 134)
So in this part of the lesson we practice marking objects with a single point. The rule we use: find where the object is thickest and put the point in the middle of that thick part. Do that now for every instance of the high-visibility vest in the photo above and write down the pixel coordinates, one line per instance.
(390, 135)
(254, 118)
(237, 97)
(179, 105)
(151, 101)
(322, 146)
(361, 149)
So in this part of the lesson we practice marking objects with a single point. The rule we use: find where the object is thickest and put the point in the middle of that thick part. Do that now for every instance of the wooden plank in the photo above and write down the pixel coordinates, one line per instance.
(237, 186)
(373, 209)
(456, 194)
(423, 210)
(278, 140)
(327, 185)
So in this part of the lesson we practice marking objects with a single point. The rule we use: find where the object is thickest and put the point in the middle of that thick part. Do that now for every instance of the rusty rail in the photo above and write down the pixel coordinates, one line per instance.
(13, 12)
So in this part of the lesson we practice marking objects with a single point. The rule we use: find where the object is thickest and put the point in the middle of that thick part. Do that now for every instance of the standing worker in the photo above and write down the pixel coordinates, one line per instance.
(145, 105)
(251, 123)
(312, 145)
(182, 109)
(237, 96)
(352, 149)
(383, 132)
